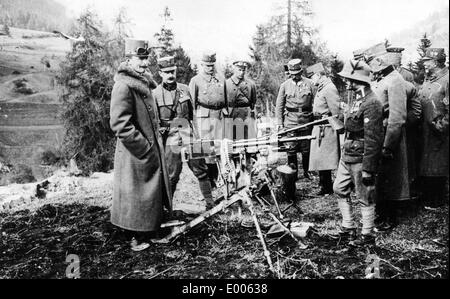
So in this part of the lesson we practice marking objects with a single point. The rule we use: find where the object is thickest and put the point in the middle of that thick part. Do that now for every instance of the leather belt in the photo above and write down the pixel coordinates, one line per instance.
(355, 135)
(298, 109)
(165, 123)
(210, 106)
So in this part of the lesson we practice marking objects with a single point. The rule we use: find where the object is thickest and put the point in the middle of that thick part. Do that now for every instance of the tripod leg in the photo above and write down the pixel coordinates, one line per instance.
(249, 203)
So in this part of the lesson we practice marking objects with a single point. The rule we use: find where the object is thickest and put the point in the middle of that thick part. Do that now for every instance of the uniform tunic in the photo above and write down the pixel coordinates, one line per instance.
(175, 110)
(294, 107)
(209, 99)
(241, 95)
(362, 147)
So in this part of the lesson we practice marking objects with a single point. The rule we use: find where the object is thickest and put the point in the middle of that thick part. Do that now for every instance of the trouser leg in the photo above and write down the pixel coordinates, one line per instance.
(305, 164)
(174, 165)
(200, 170)
(343, 186)
(366, 197)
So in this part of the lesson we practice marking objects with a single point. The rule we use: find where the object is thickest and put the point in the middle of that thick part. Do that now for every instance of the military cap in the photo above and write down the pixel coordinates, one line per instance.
(358, 54)
(356, 70)
(209, 58)
(375, 51)
(136, 47)
(295, 66)
(241, 63)
(394, 55)
(437, 54)
(167, 64)
(395, 49)
(315, 69)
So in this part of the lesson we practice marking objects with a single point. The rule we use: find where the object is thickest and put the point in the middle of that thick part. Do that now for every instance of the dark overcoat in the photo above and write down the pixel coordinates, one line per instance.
(394, 179)
(435, 122)
(141, 181)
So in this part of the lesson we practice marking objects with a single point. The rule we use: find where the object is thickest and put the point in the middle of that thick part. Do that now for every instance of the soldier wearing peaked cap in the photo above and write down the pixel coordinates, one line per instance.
(141, 180)
(241, 96)
(361, 151)
(394, 179)
(294, 107)
(434, 97)
(368, 54)
(176, 119)
(324, 149)
(414, 110)
(208, 91)
(394, 56)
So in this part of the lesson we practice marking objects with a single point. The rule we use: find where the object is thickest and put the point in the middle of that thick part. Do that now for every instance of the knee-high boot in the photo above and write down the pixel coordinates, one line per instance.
(213, 173)
(305, 164)
(293, 162)
(325, 182)
(205, 189)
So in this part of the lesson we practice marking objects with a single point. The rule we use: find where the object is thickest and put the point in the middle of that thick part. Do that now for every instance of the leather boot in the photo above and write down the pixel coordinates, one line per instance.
(305, 165)
(293, 162)
(213, 173)
(205, 189)
(325, 183)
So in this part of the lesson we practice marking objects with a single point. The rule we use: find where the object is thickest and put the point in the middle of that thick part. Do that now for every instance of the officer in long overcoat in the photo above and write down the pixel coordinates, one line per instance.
(434, 96)
(393, 182)
(325, 148)
(141, 181)
(414, 112)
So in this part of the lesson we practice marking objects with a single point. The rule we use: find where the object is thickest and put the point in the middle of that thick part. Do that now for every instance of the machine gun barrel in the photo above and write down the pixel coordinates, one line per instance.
(245, 143)
(314, 123)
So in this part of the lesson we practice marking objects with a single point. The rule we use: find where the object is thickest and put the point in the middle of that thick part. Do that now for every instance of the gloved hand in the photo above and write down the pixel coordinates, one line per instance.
(279, 128)
(387, 154)
(252, 113)
(368, 179)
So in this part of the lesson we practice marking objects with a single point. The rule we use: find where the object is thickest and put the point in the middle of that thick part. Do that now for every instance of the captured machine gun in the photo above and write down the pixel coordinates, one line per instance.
(238, 162)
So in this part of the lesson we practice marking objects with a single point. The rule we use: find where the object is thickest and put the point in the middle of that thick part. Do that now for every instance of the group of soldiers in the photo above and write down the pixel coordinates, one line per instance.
(387, 118)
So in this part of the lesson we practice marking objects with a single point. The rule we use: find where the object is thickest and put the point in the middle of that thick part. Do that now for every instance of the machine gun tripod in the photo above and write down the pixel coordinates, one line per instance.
(237, 165)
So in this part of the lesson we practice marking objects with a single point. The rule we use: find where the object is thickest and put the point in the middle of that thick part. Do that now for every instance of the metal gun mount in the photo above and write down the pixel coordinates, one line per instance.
(237, 165)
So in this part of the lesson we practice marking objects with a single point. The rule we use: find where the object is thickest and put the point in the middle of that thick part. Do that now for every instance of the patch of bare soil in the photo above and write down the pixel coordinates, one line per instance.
(35, 245)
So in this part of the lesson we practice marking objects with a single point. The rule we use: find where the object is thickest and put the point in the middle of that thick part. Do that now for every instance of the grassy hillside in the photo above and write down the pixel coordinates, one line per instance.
(45, 15)
(29, 98)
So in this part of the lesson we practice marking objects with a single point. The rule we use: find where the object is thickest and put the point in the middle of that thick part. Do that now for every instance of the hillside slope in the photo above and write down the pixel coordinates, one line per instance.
(435, 26)
(29, 101)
